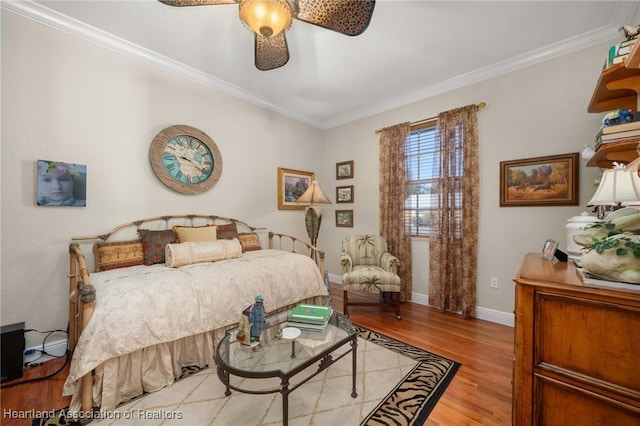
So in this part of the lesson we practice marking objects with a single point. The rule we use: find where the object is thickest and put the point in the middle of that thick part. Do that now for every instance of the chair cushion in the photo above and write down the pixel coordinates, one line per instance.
(370, 278)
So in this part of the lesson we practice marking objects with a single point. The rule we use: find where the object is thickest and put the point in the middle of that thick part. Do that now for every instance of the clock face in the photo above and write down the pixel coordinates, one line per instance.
(185, 159)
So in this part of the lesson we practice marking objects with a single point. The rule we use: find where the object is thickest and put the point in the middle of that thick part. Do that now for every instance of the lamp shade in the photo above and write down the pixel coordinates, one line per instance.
(313, 195)
(266, 17)
(618, 186)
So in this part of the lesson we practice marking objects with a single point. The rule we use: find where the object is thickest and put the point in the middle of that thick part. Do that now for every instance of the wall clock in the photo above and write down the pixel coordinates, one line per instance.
(185, 159)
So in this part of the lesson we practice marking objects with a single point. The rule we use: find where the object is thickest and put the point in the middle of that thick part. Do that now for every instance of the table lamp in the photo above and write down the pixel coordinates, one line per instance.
(619, 186)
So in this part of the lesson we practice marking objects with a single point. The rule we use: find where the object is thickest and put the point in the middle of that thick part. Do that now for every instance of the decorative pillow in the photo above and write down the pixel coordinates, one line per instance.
(195, 233)
(154, 243)
(227, 232)
(201, 251)
(249, 241)
(117, 255)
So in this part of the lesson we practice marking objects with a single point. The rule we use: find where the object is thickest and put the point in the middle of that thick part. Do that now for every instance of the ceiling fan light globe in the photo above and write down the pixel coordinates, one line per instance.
(267, 18)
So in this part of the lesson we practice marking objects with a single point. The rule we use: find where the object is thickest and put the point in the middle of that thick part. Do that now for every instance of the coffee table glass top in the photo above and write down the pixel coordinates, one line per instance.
(277, 353)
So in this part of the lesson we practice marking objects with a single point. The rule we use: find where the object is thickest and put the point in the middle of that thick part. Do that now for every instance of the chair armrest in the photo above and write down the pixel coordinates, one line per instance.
(389, 262)
(346, 262)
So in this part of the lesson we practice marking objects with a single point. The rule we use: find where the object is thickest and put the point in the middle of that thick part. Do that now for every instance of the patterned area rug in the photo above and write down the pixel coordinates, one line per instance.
(397, 384)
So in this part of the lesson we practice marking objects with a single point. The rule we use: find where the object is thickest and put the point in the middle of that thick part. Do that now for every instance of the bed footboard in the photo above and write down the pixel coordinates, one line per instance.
(290, 243)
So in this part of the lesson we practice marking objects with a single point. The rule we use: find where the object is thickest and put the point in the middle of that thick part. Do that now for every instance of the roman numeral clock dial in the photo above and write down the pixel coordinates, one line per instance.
(185, 159)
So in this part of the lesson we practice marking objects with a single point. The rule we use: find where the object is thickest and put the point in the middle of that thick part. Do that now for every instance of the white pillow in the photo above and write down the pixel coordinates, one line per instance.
(201, 251)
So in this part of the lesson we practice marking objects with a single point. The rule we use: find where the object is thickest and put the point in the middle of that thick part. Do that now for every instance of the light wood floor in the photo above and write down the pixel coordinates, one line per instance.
(480, 393)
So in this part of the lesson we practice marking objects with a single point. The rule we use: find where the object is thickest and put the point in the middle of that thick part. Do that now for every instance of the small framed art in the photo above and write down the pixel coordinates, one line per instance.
(61, 184)
(344, 218)
(344, 194)
(344, 170)
(291, 185)
(549, 249)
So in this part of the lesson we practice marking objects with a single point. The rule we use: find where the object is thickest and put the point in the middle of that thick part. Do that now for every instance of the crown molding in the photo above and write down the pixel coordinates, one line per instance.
(79, 29)
(54, 19)
(599, 35)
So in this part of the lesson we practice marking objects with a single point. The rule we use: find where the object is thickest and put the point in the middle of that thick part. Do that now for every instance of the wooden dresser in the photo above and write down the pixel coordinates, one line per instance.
(577, 349)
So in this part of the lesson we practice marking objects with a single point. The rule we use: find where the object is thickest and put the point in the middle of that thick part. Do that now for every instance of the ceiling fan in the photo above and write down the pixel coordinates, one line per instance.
(269, 19)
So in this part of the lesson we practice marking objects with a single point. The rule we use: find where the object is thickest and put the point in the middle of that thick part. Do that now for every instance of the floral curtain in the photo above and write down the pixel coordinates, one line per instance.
(392, 198)
(453, 251)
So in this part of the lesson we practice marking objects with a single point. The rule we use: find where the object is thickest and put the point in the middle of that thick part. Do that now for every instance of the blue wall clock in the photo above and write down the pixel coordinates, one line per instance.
(185, 159)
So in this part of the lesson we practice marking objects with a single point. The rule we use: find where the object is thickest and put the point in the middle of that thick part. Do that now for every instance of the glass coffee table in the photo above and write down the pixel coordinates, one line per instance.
(287, 356)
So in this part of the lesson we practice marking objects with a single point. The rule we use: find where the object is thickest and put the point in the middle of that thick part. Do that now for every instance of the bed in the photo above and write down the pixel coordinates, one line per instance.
(154, 305)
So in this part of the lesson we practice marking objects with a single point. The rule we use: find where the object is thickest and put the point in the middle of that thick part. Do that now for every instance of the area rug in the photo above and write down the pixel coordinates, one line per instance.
(397, 384)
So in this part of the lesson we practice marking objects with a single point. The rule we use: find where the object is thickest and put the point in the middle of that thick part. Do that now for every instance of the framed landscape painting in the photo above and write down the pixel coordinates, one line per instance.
(344, 194)
(344, 218)
(344, 170)
(540, 181)
(291, 185)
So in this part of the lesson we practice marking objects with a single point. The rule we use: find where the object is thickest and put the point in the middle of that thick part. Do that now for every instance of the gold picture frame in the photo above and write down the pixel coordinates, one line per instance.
(540, 181)
(291, 185)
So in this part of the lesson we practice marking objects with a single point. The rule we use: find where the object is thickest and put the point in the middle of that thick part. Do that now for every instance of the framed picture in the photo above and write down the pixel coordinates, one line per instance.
(61, 184)
(344, 218)
(344, 194)
(549, 249)
(291, 185)
(540, 181)
(344, 170)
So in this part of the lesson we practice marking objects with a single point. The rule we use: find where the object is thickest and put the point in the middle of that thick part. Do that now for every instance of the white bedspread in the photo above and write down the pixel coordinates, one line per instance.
(140, 306)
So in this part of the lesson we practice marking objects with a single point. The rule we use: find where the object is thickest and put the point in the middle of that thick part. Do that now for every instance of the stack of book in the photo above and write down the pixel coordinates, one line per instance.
(619, 132)
(619, 52)
(309, 317)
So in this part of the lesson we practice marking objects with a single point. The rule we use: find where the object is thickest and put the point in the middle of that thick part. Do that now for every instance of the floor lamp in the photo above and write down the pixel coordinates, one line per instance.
(313, 215)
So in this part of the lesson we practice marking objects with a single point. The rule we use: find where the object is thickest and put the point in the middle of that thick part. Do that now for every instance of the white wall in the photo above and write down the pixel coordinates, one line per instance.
(69, 100)
(536, 111)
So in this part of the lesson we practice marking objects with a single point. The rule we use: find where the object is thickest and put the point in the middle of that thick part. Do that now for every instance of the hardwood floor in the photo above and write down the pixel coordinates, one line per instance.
(479, 394)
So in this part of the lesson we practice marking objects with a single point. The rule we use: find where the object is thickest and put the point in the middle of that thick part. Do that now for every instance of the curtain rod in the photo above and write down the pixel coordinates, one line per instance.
(424, 120)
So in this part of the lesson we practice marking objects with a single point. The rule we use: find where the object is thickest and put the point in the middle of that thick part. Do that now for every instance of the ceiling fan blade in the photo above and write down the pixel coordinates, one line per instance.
(271, 52)
(350, 17)
(180, 3)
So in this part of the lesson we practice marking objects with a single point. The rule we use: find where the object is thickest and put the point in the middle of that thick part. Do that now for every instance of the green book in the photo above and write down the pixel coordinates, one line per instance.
(310, 314)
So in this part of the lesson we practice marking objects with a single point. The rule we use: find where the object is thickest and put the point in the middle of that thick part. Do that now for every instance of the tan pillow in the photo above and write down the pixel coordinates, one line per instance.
(118, 255)
(201, 251)
(249, 241)
(196, 233)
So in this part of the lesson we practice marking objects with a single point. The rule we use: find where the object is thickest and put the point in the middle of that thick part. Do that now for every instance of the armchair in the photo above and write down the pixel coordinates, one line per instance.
(368, 266)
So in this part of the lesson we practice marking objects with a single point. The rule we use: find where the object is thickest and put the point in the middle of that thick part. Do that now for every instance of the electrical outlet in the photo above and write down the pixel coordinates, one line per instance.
(494, 282)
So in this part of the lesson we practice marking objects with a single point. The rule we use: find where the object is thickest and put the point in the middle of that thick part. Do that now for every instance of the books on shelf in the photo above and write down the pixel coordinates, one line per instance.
(617, 128)
(619, 52)
(615, 137)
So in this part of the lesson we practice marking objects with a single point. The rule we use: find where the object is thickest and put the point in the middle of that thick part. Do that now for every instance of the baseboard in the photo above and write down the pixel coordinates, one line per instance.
(56, 348)
(485, 314)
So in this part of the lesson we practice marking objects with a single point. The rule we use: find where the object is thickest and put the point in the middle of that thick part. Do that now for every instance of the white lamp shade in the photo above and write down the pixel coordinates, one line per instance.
(618, 186)
(313, 195)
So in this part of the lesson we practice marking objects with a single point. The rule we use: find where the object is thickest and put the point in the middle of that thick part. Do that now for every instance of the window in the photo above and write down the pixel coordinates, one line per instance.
(422, 162)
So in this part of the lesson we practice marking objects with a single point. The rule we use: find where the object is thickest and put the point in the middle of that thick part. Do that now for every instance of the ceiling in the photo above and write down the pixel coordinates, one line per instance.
(411, 50)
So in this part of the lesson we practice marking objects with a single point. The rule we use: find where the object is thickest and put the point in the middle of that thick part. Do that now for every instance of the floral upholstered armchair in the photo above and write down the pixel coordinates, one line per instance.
(368, 266)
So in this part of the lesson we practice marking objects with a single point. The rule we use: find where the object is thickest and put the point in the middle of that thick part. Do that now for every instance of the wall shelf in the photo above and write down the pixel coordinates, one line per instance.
(618, 88)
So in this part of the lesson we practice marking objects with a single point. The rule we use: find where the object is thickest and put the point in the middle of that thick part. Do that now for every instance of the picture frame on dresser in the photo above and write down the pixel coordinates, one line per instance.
(549, 249)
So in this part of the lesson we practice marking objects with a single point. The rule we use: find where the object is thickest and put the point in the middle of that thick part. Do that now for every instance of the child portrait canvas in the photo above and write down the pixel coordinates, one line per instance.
(61, 184)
